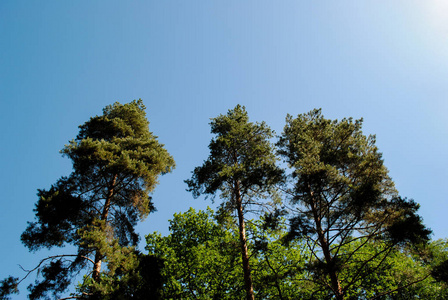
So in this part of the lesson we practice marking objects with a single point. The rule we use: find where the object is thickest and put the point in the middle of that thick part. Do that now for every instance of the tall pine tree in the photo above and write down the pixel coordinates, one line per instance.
(241, 166)
(116, 163)
(342, 195)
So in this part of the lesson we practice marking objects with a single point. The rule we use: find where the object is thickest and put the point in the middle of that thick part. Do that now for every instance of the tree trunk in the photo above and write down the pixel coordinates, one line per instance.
(105, 213)
(335, 284)
(317, 215)
(243, 243)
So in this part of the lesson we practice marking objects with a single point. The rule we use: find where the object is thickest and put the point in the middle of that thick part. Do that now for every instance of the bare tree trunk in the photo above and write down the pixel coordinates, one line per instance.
(317, 215)
(243, 243)
(105, 213)
(335, 284)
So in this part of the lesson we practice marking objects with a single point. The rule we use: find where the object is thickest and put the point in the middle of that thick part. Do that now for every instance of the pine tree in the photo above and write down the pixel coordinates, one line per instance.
(241, 166)
(116, 163)
(342, 195)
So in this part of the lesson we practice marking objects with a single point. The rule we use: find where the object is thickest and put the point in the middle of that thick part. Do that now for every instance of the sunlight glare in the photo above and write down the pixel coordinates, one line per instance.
(438, 14)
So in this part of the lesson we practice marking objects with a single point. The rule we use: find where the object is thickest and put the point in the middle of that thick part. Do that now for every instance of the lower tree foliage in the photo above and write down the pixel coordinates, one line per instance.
(137, 276)
(397, 274)
(202, 261)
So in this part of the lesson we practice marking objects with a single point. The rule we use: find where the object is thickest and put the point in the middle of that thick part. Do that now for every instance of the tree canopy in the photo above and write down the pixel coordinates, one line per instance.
(330, 225)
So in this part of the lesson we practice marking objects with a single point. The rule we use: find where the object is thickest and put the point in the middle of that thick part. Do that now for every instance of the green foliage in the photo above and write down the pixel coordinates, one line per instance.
(119, 141)
(8, 286)
(278, 269)
(130, 275)
(202, 261)
(439, 260)
(241, 152)
(396, 274)
(58, 211)
(55, 281)
(116, 163)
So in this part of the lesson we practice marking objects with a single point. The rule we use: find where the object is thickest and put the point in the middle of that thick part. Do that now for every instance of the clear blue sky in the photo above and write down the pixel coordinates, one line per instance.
(61, 62)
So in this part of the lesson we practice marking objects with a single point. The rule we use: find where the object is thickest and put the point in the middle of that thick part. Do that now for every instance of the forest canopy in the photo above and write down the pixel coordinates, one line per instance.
(309, 214)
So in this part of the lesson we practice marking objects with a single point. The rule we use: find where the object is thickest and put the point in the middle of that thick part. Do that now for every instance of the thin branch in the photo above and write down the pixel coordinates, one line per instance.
(50, 258)
(401, 287)
(359, 271)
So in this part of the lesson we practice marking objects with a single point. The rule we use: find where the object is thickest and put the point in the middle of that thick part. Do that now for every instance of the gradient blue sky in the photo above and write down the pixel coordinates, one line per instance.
(61, 62)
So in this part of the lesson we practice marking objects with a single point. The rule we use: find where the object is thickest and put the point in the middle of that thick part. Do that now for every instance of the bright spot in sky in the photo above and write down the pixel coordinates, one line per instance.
(437, 27)
(438, 14)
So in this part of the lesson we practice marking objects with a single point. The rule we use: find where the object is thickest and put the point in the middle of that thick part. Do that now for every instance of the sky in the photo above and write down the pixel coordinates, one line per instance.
(62, 62)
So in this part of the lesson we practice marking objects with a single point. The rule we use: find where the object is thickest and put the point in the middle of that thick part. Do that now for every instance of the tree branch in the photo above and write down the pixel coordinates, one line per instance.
(401, 287)
(50, 258)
